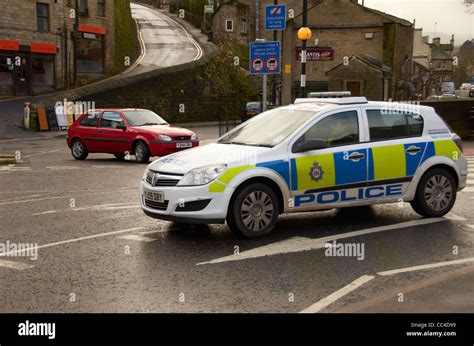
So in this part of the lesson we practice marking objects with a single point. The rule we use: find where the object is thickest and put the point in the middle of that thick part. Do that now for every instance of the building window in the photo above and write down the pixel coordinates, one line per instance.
(101, 8)
(229, 25)
(42, 16)
(42, 73)
(90, 54)
(243, 26)
(83, 11)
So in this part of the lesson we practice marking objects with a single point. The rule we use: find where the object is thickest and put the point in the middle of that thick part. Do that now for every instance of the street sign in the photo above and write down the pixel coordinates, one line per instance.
(316, 54)
(275, 17)
(265, 57)
(208, 8)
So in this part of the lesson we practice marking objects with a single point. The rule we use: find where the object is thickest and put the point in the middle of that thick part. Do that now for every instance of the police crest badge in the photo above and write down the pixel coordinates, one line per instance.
(316, 172)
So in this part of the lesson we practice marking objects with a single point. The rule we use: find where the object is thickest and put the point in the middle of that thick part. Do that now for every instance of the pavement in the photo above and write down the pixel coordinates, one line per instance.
(98, 252)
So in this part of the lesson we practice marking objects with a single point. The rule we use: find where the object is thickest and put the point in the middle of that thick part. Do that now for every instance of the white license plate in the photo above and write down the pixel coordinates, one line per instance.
(184, 145)
(155, 196)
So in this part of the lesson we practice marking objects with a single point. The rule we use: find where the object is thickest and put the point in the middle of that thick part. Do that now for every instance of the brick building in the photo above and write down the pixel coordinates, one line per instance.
(344, 28)
(38, 51)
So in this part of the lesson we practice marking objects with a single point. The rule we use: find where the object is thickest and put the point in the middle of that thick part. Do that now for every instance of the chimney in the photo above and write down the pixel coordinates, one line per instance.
(436, 41)
(452, 40)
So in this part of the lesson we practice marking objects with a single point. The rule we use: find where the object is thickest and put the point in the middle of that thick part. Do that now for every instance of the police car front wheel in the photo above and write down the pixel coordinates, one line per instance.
(253, 211)
(436, 193)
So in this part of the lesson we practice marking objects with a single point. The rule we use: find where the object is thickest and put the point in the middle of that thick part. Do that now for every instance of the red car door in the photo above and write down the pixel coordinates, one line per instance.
(87, 130)
(112, 133)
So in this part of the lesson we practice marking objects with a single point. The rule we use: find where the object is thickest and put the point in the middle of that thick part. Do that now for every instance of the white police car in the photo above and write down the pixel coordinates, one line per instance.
(316, 154)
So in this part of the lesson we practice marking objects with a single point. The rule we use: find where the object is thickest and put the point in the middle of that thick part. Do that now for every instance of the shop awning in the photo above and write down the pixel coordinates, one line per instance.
(92, 29)
(9, 45)
(37, 47)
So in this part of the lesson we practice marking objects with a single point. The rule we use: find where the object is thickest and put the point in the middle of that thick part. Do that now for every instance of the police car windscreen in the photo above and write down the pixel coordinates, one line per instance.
(269, 128)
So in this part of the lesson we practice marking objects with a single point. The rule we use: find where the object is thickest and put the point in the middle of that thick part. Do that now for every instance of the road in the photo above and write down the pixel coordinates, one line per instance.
(166, 43)
(98, 252)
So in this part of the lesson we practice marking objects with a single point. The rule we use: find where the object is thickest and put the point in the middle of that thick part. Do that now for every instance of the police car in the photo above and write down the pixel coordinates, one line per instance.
(316, 154)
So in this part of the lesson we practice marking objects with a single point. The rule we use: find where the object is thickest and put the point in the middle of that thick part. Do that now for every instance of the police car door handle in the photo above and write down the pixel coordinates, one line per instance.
(412, 150)
(356, 157)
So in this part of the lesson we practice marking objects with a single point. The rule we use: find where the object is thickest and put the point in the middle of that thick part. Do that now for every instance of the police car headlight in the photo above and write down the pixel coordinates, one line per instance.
(145, 174)
(166, 138)
(194, 137)
(202, 175)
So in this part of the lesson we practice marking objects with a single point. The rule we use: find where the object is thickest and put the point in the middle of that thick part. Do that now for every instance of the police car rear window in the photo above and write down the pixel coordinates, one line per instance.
(386, 125)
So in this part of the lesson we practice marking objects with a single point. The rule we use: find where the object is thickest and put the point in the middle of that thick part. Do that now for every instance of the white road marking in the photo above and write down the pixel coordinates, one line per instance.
(59, 168)
(42, 153)
(470, 226)
(136, 237)
(299, 244)
(69, 241)
(323, 303)
(426, 266)
(44, 213)
(59, 197)
(469, 182)
(454, 217)
(14, 265)
(14, 169)
(468, 189)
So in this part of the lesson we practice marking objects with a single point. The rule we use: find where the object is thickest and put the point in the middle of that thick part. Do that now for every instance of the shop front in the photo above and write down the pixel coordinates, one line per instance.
(91, 50)
(26, 69)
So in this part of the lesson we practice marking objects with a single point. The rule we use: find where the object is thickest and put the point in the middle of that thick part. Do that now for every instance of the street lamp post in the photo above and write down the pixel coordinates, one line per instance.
(304, 34)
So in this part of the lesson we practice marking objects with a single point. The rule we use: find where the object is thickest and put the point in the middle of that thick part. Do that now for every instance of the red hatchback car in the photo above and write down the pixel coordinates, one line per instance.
(137, 132)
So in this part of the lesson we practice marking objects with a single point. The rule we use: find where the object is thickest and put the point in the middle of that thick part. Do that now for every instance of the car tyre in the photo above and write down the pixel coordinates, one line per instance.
(79, 150)
(435, 194)
(253, 211)
(142, 153)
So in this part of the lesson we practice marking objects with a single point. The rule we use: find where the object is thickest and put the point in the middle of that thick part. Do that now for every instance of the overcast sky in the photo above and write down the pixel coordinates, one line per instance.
(451, 16)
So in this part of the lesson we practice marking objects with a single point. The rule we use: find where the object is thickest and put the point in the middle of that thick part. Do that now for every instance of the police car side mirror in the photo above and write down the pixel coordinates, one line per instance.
(311, 144)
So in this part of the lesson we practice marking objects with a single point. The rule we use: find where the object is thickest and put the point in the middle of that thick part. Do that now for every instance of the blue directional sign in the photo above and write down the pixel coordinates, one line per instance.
(265, 57)
(275, 17)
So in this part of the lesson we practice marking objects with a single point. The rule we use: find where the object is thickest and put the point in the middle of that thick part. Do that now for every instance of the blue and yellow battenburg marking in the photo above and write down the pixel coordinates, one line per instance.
(323, 171)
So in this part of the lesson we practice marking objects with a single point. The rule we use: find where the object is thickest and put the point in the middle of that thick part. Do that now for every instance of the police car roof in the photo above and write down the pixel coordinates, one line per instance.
(317, 104)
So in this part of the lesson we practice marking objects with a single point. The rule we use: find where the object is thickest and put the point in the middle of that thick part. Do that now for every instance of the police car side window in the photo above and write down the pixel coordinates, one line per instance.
(90, 120)
(387, 124)
(336, 129)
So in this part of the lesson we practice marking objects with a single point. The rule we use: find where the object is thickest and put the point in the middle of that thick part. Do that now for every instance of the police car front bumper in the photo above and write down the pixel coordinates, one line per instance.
(187, 204)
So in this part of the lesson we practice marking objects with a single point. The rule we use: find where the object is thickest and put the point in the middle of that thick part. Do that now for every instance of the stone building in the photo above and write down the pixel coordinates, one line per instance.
(433, 64)
(243, 14)
(362, 76)
(40, 50)
(342, 29)
(231, 23)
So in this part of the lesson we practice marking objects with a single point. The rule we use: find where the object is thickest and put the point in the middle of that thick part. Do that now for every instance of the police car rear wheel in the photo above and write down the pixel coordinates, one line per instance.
(436, 193)
(254, 211)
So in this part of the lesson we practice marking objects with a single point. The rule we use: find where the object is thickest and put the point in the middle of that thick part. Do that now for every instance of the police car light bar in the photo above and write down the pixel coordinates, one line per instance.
(336, 101)
(330, 94)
